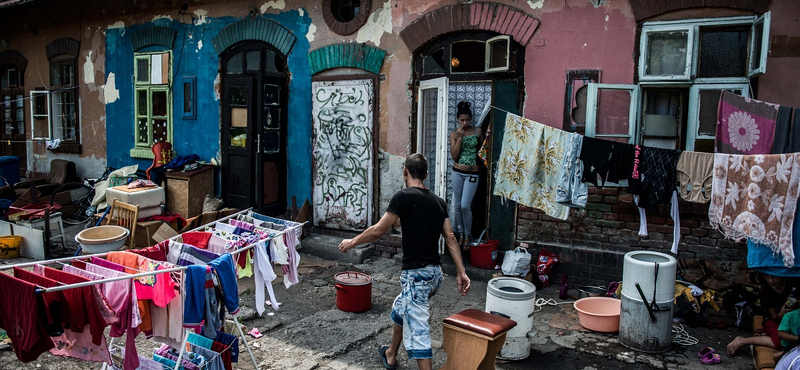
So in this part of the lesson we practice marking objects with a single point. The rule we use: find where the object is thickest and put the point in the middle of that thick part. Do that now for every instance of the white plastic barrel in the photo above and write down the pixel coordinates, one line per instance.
(515, 298)
(654, 272)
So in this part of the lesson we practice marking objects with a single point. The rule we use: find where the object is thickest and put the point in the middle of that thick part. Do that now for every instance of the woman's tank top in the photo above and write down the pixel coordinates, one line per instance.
(469, 151)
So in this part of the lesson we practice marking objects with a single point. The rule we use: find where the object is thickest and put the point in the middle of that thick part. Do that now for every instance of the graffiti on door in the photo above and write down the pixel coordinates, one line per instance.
(343, 153)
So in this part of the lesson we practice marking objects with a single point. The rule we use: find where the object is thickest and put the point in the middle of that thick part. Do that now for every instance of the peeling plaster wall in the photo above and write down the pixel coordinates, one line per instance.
(29, 32)
(575, 36)
(193, 56)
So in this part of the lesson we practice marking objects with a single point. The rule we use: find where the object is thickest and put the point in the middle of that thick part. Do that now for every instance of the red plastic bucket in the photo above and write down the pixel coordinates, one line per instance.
(353, 291)
(484, 255)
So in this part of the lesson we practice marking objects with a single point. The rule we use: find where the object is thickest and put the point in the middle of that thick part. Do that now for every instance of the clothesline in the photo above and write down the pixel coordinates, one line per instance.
(67, 259)
(132, 276)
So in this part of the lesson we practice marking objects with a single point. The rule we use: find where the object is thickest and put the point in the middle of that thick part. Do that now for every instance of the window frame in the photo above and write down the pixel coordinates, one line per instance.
(34, 116)
(144, 149)
(591, 110)
(57, 94)
(192, 113)
(765, 20)
(693, 117)
(649, 29)
(693, 45)
(488, 55)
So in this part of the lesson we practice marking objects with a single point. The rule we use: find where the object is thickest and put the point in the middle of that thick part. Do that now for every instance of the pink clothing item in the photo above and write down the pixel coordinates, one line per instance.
(290, 270)
(121, 294)
(108, 264)
(157, 287)
(168, 321)
(80, 346)
(244, 225)
(745, 125)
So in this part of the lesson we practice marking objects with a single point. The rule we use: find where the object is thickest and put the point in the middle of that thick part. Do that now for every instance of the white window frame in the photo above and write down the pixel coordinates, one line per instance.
(488, 54)
(693, 118)
(764, 21)
(693, 26)
(46, 116)
(441, 85)
(649, 29)
(633, 114)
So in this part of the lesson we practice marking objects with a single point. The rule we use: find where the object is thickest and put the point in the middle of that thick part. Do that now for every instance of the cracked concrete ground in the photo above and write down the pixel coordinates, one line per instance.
(309, 332)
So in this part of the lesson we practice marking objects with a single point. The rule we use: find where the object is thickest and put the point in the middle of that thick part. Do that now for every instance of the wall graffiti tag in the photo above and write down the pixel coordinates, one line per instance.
(342, 153)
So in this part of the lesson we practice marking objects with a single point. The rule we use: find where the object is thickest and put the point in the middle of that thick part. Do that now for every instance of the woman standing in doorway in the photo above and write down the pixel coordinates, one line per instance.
(464, 145)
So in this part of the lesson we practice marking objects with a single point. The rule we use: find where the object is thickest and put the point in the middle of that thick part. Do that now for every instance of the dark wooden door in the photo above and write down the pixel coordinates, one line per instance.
(238, 142)
(254, 105)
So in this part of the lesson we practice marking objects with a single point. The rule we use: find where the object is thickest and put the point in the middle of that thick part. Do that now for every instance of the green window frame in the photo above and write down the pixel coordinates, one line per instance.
(152, 99)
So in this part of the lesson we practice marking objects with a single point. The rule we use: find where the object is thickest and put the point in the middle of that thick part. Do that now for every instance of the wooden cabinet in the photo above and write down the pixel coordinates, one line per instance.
(186, 191)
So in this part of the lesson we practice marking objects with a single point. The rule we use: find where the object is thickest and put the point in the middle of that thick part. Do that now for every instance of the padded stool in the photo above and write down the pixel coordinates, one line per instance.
(472, 339)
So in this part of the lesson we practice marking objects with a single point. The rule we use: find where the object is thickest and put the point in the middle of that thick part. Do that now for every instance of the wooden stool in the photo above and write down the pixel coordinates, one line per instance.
(472, 339)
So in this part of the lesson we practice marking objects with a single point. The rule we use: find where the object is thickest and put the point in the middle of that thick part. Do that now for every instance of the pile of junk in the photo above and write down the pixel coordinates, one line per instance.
(117, 206)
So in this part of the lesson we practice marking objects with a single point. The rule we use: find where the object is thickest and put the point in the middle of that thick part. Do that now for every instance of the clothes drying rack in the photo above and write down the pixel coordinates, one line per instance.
(174, 269)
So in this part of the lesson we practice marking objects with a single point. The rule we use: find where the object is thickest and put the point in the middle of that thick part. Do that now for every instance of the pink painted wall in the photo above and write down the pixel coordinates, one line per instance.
(576, 35)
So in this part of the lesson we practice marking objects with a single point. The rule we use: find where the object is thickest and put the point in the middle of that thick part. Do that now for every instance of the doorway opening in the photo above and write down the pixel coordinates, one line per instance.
(253, 132)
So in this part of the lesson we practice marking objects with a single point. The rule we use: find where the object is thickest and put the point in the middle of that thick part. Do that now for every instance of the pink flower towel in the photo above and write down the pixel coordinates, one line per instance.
(744, 125)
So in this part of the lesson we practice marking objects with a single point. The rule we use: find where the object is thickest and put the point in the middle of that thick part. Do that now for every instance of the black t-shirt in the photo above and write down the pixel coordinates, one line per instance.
(422, 214)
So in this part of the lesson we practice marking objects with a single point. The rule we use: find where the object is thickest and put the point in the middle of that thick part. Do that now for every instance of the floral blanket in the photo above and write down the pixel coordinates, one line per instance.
(528, 169)
(744, 125)
(755, 196)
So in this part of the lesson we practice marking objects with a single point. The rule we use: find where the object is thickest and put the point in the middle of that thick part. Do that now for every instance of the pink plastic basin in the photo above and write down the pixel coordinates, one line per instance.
(599, 313)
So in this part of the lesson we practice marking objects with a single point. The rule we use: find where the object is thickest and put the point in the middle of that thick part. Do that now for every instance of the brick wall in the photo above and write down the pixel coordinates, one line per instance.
(592, 242)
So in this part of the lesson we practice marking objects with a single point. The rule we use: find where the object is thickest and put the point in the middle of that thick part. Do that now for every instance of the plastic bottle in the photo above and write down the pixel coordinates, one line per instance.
(791, 302)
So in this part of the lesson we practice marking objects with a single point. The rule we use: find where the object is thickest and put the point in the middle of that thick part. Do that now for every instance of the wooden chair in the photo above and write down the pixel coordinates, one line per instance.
(125, 215)
(472, 339)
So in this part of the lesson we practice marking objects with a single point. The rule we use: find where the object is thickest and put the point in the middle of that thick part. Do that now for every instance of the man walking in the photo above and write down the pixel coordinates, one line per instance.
(423, 217)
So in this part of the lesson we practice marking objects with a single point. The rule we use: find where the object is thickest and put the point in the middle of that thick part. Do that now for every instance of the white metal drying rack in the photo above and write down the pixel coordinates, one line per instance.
(133, 276)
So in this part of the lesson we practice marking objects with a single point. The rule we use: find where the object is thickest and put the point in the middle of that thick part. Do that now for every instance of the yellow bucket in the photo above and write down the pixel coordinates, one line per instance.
(9, 246)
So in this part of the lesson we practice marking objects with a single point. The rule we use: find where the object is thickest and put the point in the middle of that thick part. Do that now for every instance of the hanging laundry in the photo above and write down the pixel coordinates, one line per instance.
(244, 225)
(168, 321)
(194, 256)
(19, 308)
(200, 301)
(572, 191)
(745, 125)
(160, 288)
(290, 276)
(226, 275)
(783, 131)
(605, 160)
(755, 196)
(121, 295)
(694, 172)
(264, 275)
(761, 257)
(198, 239)
(527, 171)
(232, 342)
(656, 175)
(652, 181)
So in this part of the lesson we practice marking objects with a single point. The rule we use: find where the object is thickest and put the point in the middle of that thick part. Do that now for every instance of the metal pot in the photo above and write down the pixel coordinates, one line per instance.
(353, 291)
(591, 291)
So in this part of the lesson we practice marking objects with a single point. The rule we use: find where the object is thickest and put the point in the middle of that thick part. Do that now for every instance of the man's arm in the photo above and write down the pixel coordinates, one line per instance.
(371, 234)
(452, 246)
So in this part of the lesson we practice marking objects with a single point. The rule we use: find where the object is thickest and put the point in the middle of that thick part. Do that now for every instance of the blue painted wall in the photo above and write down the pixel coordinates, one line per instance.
(201, 136)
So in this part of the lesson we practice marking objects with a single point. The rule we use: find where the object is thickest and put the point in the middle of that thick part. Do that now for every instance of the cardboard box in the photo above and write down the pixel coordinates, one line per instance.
(149, 233)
